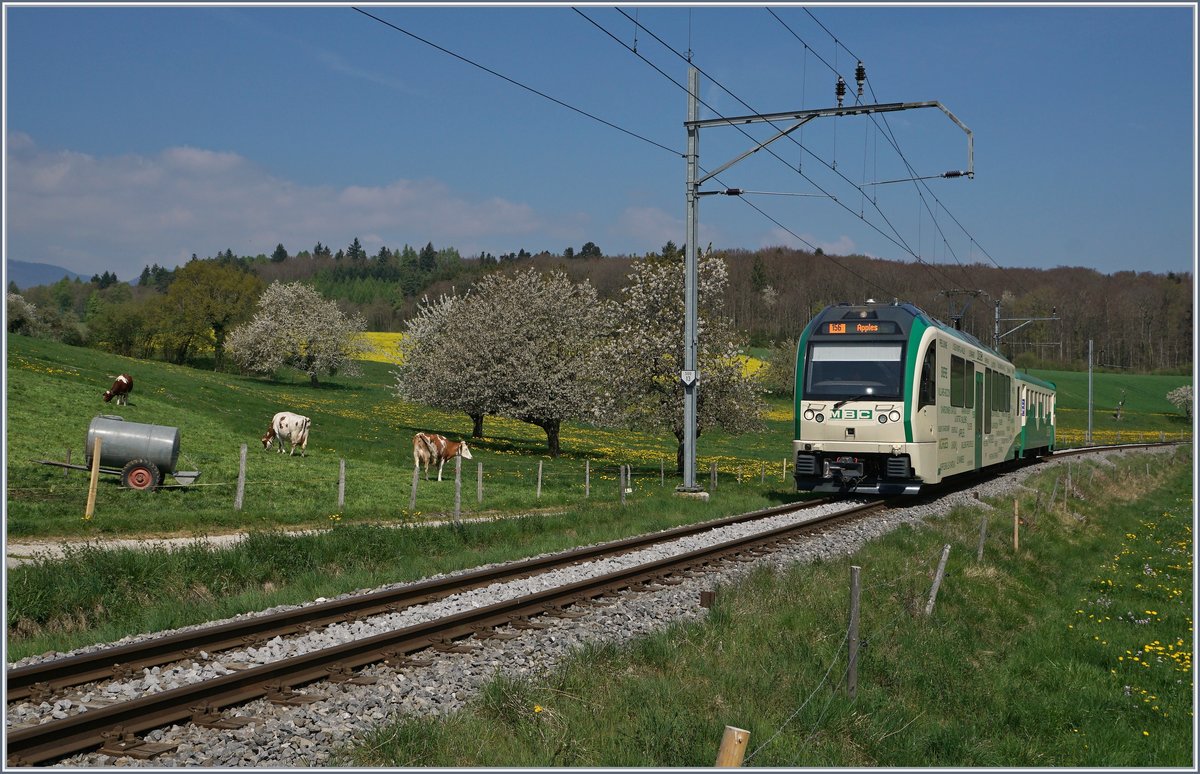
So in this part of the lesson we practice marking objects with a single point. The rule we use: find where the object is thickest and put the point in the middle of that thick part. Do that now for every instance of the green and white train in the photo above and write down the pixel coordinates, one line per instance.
(889, 399)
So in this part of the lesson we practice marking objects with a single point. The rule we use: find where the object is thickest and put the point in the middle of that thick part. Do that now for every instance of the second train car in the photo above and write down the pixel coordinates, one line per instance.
(888, 400)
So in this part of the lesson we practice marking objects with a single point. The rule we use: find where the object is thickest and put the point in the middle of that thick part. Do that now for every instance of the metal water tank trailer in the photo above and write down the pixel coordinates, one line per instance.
(122, 441)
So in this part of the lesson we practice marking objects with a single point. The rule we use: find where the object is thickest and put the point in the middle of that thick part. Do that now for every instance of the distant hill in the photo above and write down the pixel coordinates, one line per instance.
(27, 275)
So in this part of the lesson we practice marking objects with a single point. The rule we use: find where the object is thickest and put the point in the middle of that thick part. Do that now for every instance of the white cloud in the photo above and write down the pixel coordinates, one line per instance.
(120, 213)
(778, 237)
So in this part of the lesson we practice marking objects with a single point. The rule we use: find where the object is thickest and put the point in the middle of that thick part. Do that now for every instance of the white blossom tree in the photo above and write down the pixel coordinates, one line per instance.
(1181, 398)
(441, 363)
(647, 354)
(522, 345)
(21, 316)
(295, 327)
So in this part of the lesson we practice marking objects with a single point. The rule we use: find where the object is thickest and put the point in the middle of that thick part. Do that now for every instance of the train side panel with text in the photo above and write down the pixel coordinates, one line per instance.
(889, 399)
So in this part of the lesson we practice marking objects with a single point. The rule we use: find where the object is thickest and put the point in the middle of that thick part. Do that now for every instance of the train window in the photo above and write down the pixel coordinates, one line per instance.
(927, 395)
(958, 387)
(969, 382)
(854, 371)
(988, 379)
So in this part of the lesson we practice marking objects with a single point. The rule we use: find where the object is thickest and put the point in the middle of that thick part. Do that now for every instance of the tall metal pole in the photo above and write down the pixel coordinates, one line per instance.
(1089, 432)
(689, 376)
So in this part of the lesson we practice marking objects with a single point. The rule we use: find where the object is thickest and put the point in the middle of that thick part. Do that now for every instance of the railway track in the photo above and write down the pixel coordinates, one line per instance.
(114, 728)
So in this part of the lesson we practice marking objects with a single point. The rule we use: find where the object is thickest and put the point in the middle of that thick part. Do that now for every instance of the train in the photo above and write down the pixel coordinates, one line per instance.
(889, 400)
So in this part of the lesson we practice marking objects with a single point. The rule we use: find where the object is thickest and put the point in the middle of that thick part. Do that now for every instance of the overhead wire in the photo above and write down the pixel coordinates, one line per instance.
(902, 243)
(889, 135)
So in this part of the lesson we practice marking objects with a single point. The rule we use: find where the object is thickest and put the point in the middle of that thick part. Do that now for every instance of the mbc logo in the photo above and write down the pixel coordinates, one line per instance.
(852, 414)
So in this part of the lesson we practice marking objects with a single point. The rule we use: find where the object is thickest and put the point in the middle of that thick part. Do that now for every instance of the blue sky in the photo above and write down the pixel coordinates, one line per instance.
(139, 135)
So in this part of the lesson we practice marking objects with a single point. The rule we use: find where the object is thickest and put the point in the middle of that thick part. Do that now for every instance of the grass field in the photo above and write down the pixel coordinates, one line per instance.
(54, 392)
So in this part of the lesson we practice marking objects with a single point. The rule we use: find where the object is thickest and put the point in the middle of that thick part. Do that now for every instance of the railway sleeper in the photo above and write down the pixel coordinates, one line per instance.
(208, 716)
(397, 660)
(340, 673)
(277, 693)
(488, 633)
(119, 742)
(450, 646)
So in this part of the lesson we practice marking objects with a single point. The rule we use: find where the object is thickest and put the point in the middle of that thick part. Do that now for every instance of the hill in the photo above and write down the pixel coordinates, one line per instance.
(26, 275)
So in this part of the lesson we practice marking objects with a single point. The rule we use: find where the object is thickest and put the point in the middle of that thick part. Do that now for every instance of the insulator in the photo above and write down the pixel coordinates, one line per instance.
(840, 90)
(860, 75)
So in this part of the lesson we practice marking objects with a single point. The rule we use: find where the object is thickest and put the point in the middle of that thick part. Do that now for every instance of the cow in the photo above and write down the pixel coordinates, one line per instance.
(433, 448)
(286, 426)
(121, 387)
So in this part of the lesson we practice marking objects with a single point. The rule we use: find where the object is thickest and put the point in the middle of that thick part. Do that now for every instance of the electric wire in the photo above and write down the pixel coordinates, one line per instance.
(901, 243)
(516, 83)
(888, 134)
(890, 137)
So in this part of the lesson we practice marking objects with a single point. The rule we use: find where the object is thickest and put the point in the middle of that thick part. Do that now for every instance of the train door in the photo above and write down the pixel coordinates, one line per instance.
(979, 408)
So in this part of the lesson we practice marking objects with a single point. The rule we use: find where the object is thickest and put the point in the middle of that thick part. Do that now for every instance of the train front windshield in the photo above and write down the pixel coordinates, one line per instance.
(852, 371)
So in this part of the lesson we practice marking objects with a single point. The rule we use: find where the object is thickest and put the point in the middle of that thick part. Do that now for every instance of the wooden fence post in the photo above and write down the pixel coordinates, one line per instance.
(479, 483)
(662, 471)
(91, 499)
(712, 477)
(852, 636)
(241, 485)
(762, 479)
(937, 580)
(341, 484)
(66, 470)
(587, 478)
(783, 473)
(457, 488)
(982, 537)
(412, 498)
(539, 484)
(621, 483)
(733, 748)
(1016, 526)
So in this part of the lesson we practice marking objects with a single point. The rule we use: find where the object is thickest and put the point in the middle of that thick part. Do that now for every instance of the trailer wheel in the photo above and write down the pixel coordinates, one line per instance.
(141, 475)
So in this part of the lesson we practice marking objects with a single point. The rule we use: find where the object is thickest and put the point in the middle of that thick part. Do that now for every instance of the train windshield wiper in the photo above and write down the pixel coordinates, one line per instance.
(841, 403)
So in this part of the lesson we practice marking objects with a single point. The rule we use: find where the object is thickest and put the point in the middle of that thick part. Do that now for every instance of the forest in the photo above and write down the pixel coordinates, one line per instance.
(1138, 321)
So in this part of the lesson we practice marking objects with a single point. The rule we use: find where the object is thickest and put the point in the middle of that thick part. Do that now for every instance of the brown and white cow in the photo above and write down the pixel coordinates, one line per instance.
(286, 426)
(433, 448)
(121, 387)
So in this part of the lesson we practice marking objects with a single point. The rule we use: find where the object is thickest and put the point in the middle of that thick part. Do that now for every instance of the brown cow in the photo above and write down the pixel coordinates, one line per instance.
(120, 390)
(431, 447)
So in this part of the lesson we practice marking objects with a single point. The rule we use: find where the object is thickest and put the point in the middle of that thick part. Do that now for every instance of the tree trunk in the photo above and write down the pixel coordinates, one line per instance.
(312, 380)
(551, 427)
(477, 425)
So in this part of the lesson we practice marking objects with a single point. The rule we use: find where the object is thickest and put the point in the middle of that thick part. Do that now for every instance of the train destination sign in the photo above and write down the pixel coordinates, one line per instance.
(863, 327)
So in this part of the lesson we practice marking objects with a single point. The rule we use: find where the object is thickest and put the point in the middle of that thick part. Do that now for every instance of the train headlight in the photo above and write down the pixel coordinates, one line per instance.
(894, 416)
(820, 418)
(808, 415)
(883, 418)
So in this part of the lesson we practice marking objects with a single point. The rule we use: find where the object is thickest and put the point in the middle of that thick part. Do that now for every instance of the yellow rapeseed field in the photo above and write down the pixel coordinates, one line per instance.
(382, 347)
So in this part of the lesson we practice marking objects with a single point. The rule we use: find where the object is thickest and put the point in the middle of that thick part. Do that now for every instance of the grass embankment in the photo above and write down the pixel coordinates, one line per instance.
(1074, 650)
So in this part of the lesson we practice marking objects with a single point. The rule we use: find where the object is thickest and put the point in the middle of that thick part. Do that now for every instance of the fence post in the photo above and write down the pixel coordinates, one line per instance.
(1016, 526)
(852, 636)
(341, 484)
(982, 537)
(733, 748)
(662, 471)
(621, 480)
(412, 498)
(65, 470)
(91, 500)
(241, 485)
(762, 479)
(539, 484)
(937, 580)
(457, 488)
(587, 478)
(712, 475)
(479, 483)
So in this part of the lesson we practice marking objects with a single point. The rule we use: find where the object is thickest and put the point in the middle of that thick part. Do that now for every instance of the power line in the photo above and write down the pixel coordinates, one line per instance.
(518, 84)
(901, 244)
(896, 146)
